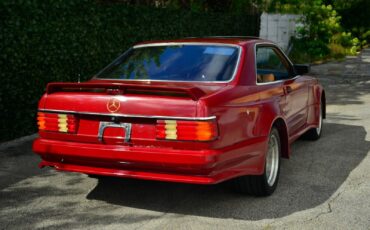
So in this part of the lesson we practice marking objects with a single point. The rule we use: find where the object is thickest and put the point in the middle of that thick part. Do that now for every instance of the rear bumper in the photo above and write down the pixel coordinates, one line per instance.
(165, 164)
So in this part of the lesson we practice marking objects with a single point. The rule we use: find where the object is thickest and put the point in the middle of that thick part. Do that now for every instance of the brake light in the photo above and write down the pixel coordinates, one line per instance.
(64, 123)
(186, 130)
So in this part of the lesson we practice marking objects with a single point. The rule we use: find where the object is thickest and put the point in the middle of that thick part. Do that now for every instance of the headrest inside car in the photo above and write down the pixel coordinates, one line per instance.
(261, 78)
(268, 77)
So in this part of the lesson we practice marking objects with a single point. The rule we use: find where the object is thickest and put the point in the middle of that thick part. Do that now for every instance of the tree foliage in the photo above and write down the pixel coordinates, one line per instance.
(322, 35)
(355, 17)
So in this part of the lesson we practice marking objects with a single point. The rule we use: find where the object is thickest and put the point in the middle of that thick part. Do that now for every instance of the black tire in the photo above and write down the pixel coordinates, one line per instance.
(315, 133)
(260, 185)
(95, 176)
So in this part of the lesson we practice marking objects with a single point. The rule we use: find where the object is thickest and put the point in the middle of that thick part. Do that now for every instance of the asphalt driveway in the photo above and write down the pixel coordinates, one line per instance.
(325, 184)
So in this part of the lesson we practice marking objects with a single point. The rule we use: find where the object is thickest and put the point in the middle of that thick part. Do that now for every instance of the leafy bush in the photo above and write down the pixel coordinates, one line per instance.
(355, 18)
(349, 44)
(365, 38)
(322, 37)
(322, 22)
(306, 50)
(55, 40)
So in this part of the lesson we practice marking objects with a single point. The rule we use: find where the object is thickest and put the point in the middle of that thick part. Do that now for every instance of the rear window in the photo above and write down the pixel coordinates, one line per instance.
(175, 63)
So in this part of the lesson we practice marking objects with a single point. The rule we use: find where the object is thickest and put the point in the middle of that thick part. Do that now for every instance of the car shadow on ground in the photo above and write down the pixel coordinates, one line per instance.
(314, 172)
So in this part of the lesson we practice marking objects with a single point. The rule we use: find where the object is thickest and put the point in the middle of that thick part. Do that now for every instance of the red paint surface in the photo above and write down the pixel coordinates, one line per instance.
(244, 111)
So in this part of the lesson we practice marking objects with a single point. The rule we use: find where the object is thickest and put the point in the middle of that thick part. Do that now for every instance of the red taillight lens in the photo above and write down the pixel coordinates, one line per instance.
(186, 130)
(64, 123)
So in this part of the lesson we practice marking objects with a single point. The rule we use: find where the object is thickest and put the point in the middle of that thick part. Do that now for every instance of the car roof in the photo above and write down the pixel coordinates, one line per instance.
(233, 40)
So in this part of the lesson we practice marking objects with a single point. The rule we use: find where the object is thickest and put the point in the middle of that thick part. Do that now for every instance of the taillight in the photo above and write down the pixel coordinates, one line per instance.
(186, 130)
(64, 123)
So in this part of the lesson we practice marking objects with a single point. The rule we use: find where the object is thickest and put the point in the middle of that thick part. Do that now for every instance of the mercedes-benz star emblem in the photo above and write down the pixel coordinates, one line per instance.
(113, 105)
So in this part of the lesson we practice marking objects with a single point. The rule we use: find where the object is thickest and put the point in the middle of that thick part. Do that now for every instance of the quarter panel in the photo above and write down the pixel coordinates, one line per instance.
(272, 104)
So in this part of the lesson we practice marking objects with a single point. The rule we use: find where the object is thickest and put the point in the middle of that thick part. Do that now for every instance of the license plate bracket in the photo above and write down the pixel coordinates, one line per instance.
(105, 124)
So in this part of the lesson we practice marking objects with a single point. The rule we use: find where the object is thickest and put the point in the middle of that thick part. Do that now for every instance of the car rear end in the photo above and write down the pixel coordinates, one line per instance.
(149, 128)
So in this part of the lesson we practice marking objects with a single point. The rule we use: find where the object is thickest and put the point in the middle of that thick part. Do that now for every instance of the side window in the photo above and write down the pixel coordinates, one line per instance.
(270, 66)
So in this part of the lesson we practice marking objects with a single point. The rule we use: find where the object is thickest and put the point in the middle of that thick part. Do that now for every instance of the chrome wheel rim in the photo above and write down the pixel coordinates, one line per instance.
(318, 129)
(272, 160)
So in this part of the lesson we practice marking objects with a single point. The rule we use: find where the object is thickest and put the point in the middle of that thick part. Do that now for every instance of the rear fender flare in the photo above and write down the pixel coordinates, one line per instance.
(281, 126)
(270, 118)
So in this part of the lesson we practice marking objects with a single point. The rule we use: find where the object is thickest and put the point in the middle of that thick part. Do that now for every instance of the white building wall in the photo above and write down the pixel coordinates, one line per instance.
(279, 28)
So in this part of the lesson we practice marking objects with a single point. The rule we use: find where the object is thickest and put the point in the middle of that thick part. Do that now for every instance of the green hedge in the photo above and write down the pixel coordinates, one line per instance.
(57, 40)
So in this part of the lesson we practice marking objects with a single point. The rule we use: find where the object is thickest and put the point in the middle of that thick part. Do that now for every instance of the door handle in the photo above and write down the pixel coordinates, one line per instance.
(288, 89)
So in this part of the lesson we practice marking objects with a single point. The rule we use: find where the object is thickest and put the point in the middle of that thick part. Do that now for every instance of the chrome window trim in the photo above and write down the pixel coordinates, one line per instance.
(278, 81)
(183, 43)
(268, 83)
(120, 115)
(255, 62)
(176, 44)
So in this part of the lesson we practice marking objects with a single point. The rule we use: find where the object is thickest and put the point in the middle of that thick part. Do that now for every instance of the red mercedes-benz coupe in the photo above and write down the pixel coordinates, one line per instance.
(195, 110)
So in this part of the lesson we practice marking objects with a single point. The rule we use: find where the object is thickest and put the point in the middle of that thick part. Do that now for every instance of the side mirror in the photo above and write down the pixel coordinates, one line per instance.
(301, 69)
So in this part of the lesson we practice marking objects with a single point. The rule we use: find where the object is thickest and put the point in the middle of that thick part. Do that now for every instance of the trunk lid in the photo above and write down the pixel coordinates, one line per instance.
(101, 103)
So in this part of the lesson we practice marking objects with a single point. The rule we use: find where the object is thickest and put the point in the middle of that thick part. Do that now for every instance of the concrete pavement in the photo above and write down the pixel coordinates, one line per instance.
(326, 184)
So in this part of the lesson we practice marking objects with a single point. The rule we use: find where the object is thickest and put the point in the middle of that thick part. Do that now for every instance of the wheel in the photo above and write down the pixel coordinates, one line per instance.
(315, 133)
(264, 185)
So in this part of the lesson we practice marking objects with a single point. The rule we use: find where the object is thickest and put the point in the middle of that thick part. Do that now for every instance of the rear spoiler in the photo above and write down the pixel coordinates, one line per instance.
(193, 92)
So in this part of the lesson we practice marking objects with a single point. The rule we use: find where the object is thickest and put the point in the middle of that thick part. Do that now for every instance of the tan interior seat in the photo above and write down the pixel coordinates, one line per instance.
(268, 77)
(262, 78)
